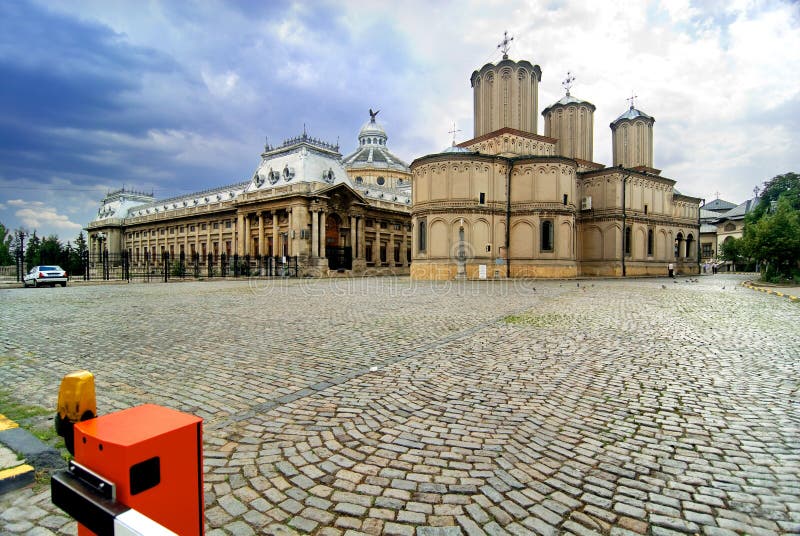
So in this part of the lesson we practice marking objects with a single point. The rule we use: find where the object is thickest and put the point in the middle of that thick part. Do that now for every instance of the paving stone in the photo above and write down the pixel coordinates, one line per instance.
(593, 416)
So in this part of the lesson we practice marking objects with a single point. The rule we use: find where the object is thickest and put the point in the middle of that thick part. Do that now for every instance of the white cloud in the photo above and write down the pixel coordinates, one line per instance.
(220, 85)
(39, 216)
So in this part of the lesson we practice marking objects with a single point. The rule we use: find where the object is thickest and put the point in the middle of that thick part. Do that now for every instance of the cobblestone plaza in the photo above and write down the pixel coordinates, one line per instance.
(386, 406)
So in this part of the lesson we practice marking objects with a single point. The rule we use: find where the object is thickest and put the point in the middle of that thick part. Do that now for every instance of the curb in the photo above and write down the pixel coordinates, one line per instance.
(749, 285)
(28, 446)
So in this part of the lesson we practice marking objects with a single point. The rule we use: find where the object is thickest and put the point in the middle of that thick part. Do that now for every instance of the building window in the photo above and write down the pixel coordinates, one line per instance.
(627, 240)
(566, 199)
(203, 227)
(397, 226)
(182, 228)
(547, 235)
(422, 237)
(482, 198)
(369, 222)
(216, 225)
(359, 180)
(397, 253)
(368, 251)
(729, 227)
(384, 225)
(228, 224)
(708, 250)
(645, 209)
(649, 242)
(381, 181)
(172, 230)
(191, 228)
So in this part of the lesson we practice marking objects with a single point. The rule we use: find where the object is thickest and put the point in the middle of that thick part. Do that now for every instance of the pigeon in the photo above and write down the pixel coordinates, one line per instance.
(723, 288)
(663, 286)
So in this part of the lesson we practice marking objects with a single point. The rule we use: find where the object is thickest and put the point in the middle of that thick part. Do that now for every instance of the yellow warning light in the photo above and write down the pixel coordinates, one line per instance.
(76, 403)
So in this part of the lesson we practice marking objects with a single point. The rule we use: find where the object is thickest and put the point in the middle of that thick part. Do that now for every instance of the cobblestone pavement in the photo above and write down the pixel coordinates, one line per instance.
(382, 406)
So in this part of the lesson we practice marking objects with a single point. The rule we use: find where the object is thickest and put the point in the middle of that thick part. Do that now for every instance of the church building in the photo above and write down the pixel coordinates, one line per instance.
(513, 203)
(508, 203)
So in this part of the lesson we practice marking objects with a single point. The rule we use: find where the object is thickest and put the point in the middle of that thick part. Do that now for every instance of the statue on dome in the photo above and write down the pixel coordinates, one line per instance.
(372, 115)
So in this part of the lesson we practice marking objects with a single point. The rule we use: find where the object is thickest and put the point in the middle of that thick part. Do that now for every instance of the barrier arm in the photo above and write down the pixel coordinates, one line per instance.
(137, 471)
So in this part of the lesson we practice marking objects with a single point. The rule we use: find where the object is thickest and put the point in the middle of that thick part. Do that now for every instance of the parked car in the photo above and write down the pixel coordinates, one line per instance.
(45, 275)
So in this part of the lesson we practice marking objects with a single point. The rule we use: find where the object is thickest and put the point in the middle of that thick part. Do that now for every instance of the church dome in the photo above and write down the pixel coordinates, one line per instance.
(567, 100)
(631, 114)
(457, 150)
(372, 151)
(372, 128)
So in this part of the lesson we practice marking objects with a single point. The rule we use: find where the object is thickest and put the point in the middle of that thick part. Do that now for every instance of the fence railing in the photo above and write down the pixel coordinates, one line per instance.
(151, 268)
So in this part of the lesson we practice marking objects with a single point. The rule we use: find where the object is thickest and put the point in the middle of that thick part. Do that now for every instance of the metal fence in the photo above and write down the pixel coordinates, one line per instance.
(153, 268)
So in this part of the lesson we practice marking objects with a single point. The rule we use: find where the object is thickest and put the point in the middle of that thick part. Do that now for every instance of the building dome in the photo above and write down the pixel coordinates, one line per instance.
(631, 114)
(372, 151)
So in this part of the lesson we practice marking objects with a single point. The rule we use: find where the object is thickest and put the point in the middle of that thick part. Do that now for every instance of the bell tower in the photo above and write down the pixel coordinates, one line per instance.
(506, 94)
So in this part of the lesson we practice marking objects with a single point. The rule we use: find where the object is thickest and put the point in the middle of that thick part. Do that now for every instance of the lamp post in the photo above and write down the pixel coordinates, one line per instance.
(20, 253)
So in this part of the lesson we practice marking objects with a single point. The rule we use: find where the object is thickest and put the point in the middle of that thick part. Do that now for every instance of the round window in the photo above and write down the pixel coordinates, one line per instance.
(381, 181)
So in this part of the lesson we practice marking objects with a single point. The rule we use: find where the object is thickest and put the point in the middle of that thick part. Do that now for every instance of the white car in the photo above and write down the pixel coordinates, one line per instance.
(45, 275)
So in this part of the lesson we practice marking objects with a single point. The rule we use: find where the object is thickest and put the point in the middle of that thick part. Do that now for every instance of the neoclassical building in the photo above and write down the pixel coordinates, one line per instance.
(513, 203)
(304, 200)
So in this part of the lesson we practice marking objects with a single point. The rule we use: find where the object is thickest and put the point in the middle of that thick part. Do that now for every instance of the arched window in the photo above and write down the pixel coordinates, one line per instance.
(649, 242)
(359, 180)
(547, 235)
(627, 240)
(422, 238)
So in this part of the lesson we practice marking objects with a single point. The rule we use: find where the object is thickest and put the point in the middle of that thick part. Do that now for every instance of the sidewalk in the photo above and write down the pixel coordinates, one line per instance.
(792, 293)
(14, 472)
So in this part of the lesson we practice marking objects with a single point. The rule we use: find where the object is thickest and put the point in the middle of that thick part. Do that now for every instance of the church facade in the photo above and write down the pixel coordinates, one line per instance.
(336, 215)
(513, 203)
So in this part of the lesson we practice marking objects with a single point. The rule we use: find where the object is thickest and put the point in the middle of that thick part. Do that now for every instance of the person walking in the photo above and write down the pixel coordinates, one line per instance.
(671, 269)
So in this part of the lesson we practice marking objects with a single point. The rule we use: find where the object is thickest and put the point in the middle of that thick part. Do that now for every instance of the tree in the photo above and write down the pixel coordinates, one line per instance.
(6, 253)
(80, 243)
(50, 250)
(775, 238)
(786, 185)
(32, 257)
(732, 250)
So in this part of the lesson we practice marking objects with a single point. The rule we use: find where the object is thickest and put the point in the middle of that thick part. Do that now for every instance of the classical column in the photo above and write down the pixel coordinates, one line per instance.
(262, 249)
(275, 248)
(290, 232)
(362, 242)
(314, 234)
(376, 246)
(390, 246)
(248, 238)
(239, 231)
(322, 221)
(353, 236)
(404, 248)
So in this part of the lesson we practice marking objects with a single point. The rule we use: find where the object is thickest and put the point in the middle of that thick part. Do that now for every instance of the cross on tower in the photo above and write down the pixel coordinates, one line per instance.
(505, 44)
(716, 194)
(567, 83)
(755, 191)
(631, 99)
(453, 132)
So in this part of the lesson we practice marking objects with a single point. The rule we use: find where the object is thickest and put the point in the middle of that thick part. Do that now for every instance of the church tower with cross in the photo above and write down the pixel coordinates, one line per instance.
(506, 94)
(571, 122)
(632, 139)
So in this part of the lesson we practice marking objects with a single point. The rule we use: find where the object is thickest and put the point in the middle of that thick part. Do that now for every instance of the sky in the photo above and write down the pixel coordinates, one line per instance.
(176, 97)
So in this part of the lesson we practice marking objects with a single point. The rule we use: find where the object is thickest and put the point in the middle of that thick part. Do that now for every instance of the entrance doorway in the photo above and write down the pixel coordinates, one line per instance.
(339, 257)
